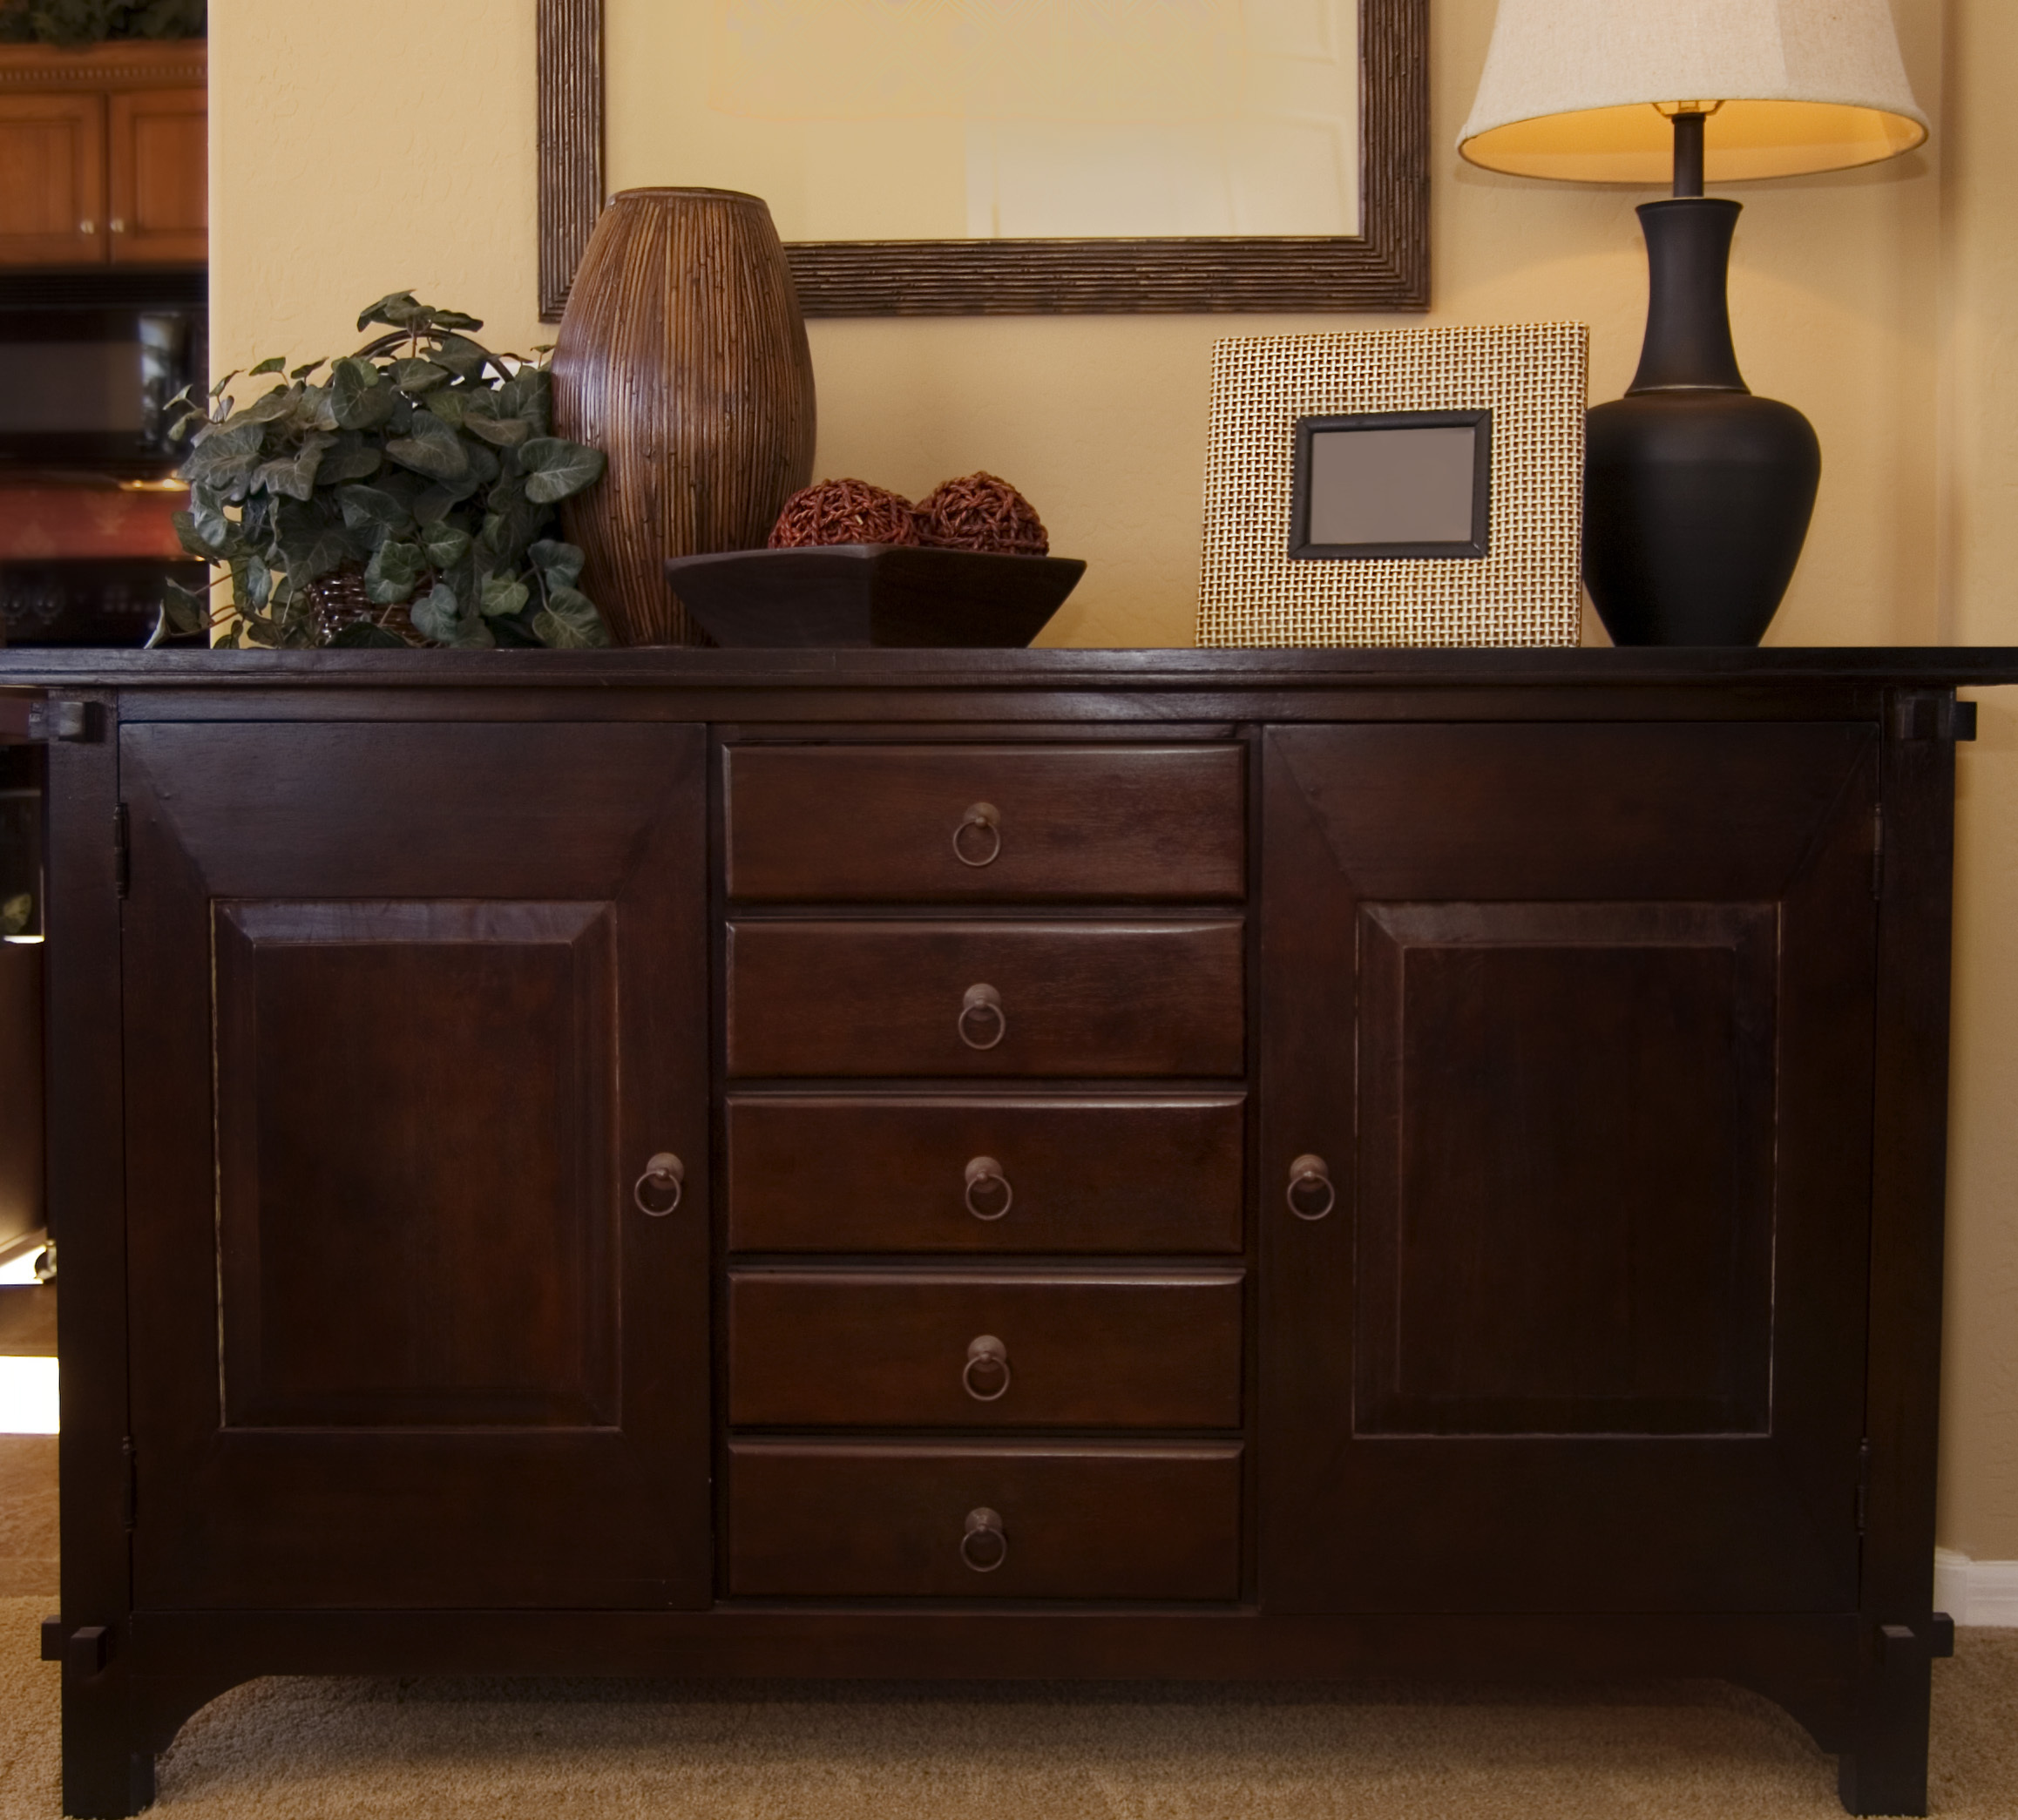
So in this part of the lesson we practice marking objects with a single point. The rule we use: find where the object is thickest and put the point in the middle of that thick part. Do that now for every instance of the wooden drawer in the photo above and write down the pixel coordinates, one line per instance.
(985, 998)
(851, 1172)
(884, 1348)
(986, 823)
(1109, 1522)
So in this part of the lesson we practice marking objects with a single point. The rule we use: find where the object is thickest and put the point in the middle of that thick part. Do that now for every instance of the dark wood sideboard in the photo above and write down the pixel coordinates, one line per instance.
(1100, 1164)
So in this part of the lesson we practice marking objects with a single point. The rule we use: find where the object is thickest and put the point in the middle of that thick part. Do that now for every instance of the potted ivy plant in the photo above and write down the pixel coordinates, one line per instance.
(403, 495)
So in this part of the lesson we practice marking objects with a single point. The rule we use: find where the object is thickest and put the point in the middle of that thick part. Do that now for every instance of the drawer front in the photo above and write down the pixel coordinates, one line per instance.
(1095, 999)
(986, 823)
(919, 1172)
(839, 1521)
(888, 1348)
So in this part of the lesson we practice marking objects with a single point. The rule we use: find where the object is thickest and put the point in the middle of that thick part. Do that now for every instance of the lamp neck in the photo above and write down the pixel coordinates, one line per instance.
(1689, 152)
(1688, 347)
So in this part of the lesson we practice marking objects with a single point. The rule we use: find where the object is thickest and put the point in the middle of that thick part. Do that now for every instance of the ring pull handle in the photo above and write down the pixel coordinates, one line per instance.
(987, 1365)
(664, 1175)
(980, 847)
(985, 1173)
(982, 1021)
(1311, 1193)
(985, 1546)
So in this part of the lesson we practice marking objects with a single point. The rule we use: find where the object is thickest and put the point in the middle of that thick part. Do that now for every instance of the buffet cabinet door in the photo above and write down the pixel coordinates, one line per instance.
(1566, 1084)
(411, 1009)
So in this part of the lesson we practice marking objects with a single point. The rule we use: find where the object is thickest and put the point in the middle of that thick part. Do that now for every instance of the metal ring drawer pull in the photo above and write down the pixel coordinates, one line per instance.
(987, 817)
(982, 1008)
(983, 1169)
(984, 1547)
(1303, 1173)
(988, 1353)
(666, 1172)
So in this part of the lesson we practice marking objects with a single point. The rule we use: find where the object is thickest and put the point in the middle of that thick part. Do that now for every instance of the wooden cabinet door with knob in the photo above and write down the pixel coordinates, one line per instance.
(52, 179)
(1566, 1102)
(417, 1164)
(159, 177)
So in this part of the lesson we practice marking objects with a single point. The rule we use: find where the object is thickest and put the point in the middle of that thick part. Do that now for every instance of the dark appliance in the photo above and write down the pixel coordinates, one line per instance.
(89, 364)
(112, 600)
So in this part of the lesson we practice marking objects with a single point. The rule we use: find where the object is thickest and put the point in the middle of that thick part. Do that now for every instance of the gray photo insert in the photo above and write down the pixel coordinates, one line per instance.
(1392, 483)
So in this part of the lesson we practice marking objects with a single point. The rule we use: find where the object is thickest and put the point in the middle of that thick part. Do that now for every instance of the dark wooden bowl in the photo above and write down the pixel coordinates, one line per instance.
(839, 595)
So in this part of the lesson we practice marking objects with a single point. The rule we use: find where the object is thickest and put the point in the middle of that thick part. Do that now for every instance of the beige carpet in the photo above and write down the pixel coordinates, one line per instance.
(306, 1750)
(28, 1561)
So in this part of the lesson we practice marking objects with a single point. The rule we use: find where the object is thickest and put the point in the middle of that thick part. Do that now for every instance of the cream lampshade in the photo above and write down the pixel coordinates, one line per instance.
(1696, 495)
(1805, 86)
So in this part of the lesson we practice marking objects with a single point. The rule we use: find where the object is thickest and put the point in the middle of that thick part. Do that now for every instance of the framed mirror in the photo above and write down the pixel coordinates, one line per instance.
(1058, 156)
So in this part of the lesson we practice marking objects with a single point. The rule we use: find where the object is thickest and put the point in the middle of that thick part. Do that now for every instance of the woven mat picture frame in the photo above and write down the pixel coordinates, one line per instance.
(1530, 376)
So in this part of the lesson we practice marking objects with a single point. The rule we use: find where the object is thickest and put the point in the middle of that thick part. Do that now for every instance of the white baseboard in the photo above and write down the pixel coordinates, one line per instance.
(1973, 1592)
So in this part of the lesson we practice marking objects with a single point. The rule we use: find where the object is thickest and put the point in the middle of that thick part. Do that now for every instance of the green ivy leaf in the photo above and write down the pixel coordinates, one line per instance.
(560, 563)
(451, 319)
(396, 310)
(273, 363)
(268, 409)
(203, 532)
(224, 458)
(528, 393)
(435, 617)
(504, 432)
(255, 582)
(417, 377)
(394, 571)
(315, 409)
(465, 358)
(313, 543)
(555, 468)
(187, 610)
(570, 622)
(503, 595)
(433, 450)
(445, 546)
(293, 477)
(303, 372)
(373, 514)
(349, 457)
(360, 401)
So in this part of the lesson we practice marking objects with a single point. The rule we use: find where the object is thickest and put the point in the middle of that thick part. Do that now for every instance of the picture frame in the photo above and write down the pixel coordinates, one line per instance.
(1384, 266)
(1465, 494)
(1503, 568)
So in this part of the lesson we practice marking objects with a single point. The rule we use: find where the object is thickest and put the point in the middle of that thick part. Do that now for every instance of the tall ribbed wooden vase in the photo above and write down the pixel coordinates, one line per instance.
(682, 356)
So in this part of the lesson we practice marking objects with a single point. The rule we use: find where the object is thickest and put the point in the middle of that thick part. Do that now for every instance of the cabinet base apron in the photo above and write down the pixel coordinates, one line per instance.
(1863, 1698)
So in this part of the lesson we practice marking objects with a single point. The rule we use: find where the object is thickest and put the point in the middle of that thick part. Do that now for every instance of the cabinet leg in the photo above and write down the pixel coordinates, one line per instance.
(108, 1769)
(1885, 1770)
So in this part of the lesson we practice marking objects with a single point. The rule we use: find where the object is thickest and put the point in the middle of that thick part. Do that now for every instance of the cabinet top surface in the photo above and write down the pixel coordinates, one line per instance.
(1924, 666)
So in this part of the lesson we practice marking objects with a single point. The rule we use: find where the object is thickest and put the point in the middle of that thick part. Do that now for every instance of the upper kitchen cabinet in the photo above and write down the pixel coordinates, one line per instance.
(104, 154)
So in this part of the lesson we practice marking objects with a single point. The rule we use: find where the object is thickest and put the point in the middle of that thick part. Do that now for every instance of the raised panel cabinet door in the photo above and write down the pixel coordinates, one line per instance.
(52, 179)
(159, 177)
(410, 1011)
(1566, 1110)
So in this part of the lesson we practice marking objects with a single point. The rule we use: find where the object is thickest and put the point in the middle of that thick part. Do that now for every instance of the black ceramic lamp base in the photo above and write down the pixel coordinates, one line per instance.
(1697, 494)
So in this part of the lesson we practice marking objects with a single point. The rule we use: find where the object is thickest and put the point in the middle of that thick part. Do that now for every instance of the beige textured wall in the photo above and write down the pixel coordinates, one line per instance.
(1978, 525)
(359, 146)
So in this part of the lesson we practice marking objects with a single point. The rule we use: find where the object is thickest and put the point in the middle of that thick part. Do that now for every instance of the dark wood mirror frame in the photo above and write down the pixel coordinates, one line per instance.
(1385, 266)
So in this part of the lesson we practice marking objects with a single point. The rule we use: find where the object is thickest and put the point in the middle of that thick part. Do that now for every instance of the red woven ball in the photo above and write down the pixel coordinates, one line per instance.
(844, 511)
(981, 512)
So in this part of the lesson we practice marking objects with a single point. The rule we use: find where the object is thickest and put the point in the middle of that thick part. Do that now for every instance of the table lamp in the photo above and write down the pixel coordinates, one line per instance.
(1696, 495)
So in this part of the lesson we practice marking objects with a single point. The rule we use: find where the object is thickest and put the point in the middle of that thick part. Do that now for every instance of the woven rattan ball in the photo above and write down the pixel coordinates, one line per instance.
(844, 511)
(981, 512)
